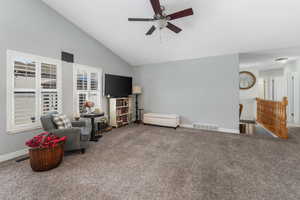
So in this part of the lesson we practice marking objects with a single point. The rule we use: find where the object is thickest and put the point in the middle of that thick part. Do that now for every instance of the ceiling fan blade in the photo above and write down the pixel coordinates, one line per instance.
(141, 19)
(151, 30)
(173, 28)
(156, 6)
(180, 14)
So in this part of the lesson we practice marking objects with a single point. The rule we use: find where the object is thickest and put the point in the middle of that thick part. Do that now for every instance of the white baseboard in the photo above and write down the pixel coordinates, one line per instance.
(227, 130)
(186, 125)
(223, 130)
(293, 125)
(12, 155)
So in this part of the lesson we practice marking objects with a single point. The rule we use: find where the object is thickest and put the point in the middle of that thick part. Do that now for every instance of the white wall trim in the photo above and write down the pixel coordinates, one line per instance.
(186, 125)
(227, 130)
(223, 130)
(12, 155)
(293, 125)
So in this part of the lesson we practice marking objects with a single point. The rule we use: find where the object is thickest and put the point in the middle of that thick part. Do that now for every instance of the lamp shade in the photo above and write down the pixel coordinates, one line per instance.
(136, 90)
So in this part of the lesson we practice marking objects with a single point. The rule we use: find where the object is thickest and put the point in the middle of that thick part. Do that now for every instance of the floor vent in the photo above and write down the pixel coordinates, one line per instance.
(209, 127)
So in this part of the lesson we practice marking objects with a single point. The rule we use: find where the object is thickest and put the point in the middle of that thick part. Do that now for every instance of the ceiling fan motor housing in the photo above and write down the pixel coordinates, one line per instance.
(162, 19)
(162, 23)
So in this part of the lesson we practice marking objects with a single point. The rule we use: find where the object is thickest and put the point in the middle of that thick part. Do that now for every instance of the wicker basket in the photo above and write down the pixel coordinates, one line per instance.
(44, 159)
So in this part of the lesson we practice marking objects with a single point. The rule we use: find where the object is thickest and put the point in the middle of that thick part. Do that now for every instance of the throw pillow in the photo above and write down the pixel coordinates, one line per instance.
(61, 121)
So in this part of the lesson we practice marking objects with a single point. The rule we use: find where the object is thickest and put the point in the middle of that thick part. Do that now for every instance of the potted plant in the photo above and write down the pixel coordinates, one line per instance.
(46, 151)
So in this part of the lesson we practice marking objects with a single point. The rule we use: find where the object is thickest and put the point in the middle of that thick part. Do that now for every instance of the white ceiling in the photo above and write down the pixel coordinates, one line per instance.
(217, 27)
(266, 59)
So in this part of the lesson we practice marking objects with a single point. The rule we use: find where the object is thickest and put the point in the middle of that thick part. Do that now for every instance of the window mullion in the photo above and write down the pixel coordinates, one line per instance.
(10, 95)
(38, 90)
(59, 86)
(88, 80)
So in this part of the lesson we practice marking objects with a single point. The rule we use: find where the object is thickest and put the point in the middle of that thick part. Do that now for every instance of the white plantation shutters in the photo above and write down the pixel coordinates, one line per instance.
(82, 80)
(82, 98)
(49, 102)
(24, 91)
(49, 97)
(33, 89)
(48, 76)
(94, 81)
(94, 97)
(88, 86)
(24, 103)
(24, 74)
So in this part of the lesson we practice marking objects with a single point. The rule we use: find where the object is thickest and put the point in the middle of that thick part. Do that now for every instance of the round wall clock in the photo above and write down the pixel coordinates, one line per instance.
(247, 80)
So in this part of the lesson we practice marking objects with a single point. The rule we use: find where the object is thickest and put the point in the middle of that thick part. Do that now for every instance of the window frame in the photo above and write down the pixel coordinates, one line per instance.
(11, 127)
(89, 70)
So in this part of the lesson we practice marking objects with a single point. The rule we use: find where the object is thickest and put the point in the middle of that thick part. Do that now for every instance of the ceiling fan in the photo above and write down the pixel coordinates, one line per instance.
(162, 19)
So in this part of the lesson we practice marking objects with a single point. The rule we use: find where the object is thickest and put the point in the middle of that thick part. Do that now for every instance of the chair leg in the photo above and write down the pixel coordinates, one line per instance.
(82, 151)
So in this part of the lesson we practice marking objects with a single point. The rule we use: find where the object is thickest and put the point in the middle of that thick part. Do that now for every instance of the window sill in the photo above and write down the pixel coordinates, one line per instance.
(23, 130)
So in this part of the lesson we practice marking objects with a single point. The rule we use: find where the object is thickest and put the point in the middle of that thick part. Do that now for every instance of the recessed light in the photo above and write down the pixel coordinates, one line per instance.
(281, 59)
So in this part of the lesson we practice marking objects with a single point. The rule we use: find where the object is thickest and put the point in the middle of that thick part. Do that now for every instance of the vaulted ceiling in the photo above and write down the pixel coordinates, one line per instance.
(267, 59)
(217, 27)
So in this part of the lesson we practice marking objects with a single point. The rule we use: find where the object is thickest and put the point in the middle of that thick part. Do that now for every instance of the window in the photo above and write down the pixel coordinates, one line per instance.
(49, 102)
(87, 86)
(33, 89)
(82, 98)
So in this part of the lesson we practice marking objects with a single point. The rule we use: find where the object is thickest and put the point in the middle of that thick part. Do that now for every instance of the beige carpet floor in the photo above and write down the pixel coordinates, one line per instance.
(145, 162)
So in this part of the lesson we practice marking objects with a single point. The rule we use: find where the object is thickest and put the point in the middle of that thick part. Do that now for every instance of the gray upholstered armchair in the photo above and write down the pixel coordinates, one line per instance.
(77, 136)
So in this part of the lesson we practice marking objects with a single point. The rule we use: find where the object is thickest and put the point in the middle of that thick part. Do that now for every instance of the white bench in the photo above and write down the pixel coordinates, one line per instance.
(168, 120)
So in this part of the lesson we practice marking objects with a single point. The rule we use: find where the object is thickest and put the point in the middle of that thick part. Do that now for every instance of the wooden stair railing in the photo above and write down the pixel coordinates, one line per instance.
(241, 109)
(272, 115)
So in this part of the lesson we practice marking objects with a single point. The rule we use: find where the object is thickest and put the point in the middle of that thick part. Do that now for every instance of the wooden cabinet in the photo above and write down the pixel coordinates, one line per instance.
(120, 111)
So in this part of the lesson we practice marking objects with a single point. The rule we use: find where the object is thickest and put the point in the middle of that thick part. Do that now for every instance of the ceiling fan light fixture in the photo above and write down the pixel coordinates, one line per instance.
(162, 23)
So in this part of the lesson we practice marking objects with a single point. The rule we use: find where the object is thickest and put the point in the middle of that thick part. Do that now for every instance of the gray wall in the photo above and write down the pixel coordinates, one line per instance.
(32, 27)
(202, 90)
